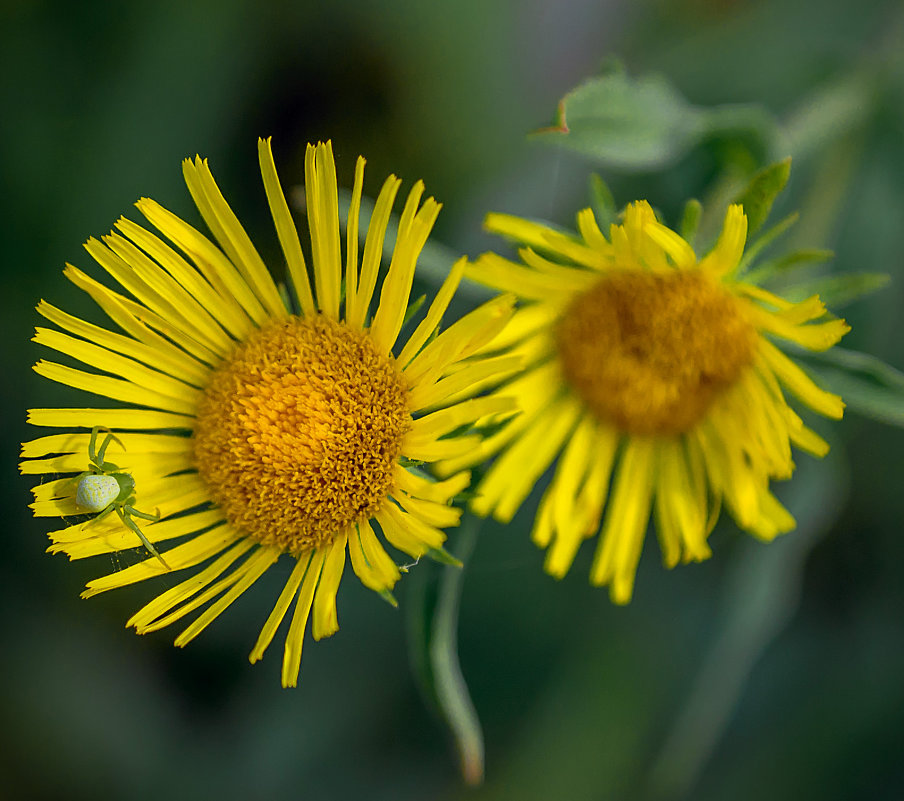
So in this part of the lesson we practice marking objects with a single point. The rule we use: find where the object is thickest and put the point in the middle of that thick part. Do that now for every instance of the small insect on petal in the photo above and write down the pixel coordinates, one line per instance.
(96, 493)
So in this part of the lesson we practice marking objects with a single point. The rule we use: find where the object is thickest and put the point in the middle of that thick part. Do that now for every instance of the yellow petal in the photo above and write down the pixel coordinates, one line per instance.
(434, 450)
(567, 517)
(189, 313)
(115, 364)
(422, 487)
(323, 222)
(282, 605)
(256, 565)
(80, 540)
(137, 419)
(511, 476)
(434, 314)
(396, 289)
(773, 519)
(591, 232)
(531, 392)
(799, 383)
(725, 256)
(209, 259)
(210, 312)
(435, 424)
(577, 280)
(188, 554)
(170, 360)
(461, 339)
(295, 638)
(813, 336)
(373, 251)
(406, 532)
(527, 321)
(505, 275)
(147, 292)
(542, 236)
(351, 239)
(116, 389)
(681, 519)
(210, 590)
(680, 252)
(132, 443)
(230, 235)
(138, 320)
(326, 621)
(621, 539)
(370, 561)
(434, 514)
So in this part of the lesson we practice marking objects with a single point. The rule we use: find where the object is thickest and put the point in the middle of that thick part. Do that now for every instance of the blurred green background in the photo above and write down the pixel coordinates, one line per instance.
(769, 671)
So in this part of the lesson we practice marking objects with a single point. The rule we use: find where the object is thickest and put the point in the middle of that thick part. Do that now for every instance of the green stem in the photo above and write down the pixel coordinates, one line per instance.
(761, 596)
(449, 683)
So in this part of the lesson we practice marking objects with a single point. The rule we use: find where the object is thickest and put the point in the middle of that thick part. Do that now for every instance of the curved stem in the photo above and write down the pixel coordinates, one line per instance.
(449, 684)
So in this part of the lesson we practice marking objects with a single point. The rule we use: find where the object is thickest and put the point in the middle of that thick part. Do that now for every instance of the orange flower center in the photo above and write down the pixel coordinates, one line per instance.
(299, 430)
(650, 352)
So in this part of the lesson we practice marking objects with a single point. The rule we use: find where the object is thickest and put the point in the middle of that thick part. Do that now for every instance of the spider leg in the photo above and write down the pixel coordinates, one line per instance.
(106, 444)
(125, 516)
(131, 510)
(92, 447)
(91, 443)
(100, 516)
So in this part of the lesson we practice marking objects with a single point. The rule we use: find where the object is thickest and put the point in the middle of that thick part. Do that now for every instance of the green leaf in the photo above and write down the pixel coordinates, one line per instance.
(690, 221)
(286, 297)
(442, 556)
(387, 596)
(867, 385)
(774, 268)
(764, 240)
(413, 308)
(837, 291)
(603, 202)
(831, 112)
(642, 124)
(760, 194)
(638, 124)
(464, 497)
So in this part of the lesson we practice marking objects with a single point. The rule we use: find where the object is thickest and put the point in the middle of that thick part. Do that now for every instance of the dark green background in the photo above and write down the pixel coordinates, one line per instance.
(767, 672)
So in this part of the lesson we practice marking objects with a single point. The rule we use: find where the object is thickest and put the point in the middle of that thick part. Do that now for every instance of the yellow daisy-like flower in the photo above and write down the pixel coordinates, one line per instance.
(648, 364)
(255, 433)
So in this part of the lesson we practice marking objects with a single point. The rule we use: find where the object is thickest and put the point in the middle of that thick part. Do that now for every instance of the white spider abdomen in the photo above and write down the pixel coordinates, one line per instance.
(96, 493)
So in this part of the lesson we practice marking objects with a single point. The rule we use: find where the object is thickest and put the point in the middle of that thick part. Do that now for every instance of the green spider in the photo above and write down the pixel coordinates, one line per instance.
(105, 488)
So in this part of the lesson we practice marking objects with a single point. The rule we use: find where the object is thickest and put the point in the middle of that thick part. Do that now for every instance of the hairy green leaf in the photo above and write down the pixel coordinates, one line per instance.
(781, 265)
(837, 291)
(690, 221)
(867, 385)
(641, 124)
(603, 202)
(761, 192)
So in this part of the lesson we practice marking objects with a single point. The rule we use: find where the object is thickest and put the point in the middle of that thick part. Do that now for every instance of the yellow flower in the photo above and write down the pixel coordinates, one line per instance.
(256, 433)
(655, 369)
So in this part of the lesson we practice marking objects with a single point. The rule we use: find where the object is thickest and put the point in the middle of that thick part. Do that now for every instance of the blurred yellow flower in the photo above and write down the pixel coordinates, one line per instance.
(256, 433)
(655, 369)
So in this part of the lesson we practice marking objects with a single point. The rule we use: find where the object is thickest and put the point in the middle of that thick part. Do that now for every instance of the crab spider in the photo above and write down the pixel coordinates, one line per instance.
(105, 488)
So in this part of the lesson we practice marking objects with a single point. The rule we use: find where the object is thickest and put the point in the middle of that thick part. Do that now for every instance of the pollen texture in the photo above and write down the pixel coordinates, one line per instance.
(650, 352)
(298, 431)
